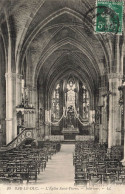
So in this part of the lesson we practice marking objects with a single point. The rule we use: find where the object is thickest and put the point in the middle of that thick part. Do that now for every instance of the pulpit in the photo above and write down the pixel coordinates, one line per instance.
(25, 118)
(26, 113)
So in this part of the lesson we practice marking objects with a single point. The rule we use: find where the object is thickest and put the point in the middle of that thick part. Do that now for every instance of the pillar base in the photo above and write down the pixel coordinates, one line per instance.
(46, 137)
(36, 142)
(108, 150)
(123, 162)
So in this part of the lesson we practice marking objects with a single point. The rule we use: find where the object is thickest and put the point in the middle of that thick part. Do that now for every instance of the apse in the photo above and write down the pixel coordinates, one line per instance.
(69, 111)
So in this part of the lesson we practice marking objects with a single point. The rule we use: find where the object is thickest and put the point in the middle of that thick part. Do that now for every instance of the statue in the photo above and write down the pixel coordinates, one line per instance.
(70, 114)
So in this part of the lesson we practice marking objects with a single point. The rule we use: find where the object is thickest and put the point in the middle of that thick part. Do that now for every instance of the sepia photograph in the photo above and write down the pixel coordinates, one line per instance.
(62, 96)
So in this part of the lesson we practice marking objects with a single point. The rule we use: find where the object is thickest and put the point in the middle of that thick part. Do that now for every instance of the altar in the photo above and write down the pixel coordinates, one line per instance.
(70, 133)
(70, 112)
(70, 130)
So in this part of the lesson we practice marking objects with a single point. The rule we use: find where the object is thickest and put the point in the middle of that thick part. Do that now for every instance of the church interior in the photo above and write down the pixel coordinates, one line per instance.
(62, 94)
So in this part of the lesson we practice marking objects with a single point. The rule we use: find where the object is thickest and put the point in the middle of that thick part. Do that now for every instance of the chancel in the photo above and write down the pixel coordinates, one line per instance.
(62, 92)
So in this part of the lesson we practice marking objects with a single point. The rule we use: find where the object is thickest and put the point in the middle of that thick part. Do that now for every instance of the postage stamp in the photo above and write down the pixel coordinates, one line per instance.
(109, 16)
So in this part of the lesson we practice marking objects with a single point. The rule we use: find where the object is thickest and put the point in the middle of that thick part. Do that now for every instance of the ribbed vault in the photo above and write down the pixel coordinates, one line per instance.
(48, 39)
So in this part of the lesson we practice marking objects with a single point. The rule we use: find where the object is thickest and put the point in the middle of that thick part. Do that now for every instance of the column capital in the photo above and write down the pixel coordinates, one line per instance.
(103, 88)
(8, 119)
(19, 76)
(30, 88)
(13, 75)
(115, 75)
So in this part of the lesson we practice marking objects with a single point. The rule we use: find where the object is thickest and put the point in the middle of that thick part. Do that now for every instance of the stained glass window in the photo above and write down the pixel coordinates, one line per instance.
(85, 103)
(55, 104)
(71, 93)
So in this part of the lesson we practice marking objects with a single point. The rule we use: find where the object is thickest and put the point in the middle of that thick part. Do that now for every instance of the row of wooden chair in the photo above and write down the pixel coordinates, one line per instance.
(94, 165)
(25, 163)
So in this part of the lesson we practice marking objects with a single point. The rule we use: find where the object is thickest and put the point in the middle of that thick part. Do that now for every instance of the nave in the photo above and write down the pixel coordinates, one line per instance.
(60, 168)
(61, 81)
(52, 163)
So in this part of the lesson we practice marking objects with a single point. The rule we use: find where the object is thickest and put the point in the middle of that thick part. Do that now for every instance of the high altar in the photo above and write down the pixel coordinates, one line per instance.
(70, 110)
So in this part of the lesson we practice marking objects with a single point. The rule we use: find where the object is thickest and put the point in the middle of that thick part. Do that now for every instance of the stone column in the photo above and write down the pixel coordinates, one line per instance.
(114, 125)
(92, 121)
(104, 125)
(100, 104)
(80, 99)
(18, 89)
(49, 122)
(28, 93)
(34, 103)
(32, 94)
(104, 115)
(103, 129)
(47, 119)
(40, 110)
(34, 97)
(61, 104)
(11, 120)
(64, 103)
(123, 161)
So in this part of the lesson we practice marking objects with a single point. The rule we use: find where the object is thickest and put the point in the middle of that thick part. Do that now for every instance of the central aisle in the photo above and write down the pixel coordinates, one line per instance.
(60, 168)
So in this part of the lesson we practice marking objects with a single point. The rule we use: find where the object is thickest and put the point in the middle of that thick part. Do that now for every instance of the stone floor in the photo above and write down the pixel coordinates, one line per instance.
(60, 169)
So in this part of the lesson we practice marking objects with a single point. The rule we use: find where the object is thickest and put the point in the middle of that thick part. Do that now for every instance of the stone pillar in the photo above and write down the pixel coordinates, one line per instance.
(123, 161)
(40, 110)
(18, 96)
(28, 90)
(104, 125)
(18, 89)
(11, 120)
(92, 121)
(47, 124)
(30, 96)
(61, 104)
(103, 129)
(114, 125)
(34, 97)
(80, 100)
(35, 105)
(104, 115)
(41, 123)
(2, 95)
(100, 104)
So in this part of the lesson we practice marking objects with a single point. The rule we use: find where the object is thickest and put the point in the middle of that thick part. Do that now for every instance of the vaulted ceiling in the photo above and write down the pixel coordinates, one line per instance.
(56, 37)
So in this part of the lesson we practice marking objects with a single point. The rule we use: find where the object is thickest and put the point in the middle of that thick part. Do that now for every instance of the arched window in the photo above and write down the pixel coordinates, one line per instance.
(55, 104)
(71, 93)
(86, 103)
